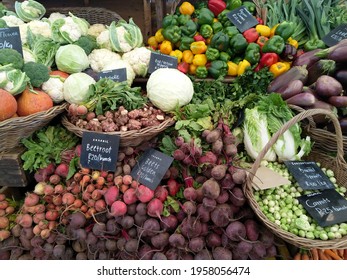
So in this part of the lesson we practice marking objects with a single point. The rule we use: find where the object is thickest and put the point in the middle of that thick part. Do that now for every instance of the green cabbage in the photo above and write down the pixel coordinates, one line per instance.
(71, 59)
(13, 80)
(77, 88)
(29, 10)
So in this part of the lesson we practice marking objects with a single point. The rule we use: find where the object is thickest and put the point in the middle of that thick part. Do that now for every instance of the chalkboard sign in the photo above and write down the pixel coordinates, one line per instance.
(336, 35)
(117, 75)
(158, 60)
(327, 207)
(308, 175)
(242, 18)
(99, 151)
(10, 39)
(151, 168)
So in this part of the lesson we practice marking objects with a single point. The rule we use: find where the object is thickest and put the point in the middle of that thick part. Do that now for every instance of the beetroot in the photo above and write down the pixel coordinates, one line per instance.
(213, 240)
(169, 223)
(77, 220)
(127, 222)
(161, 193)
(239, 176)
(217, 147)
(258, 251)
(236, 231)
(221, 215)
(227, 182)
(189, 207)
(196, 244)
(118, 208)
(150, 227)
(252, 229)
(218, 172)
(237, 197)
(203, 255)
(144, 194)
(203, 213)
(177, 240)
(190, 194)
(145, 252)
(159, 256)
(155, 207)
(173, 186)
(214, 135)
(223, 197)
(221, 253)
(172, 254)
(209, 157)
(129, 196)
(111, 195)
(160, 240)
(62, 170)
(211, 188)
(190, 227)
(243, 247)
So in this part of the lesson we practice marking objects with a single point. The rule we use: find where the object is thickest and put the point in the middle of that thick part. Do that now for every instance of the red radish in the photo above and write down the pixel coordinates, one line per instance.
(118, 208)
(173, 186)
(144, 194)
(129, 197)
(161, 193)
(155, 208)
(31, 199)
(111, 195)
(62, 170)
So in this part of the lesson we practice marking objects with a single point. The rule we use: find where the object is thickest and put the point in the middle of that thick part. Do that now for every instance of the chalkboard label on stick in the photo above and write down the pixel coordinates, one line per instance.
(308, 175)
(99, 151)
(336, 35)
(242, 18)
(327, 207)
(158, 60)
(117, 75)
(10, 39)
(151, 168)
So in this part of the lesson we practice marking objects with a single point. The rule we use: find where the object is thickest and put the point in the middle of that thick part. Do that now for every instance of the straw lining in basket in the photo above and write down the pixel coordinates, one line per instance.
(338, 165)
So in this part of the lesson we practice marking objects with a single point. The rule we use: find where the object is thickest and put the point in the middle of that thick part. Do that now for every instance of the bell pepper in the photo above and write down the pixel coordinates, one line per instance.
(189, 29)
(217, 26)
(201, 72)
(159, 36)
(251, 35)
(238, 43)
(243, 65)
(231, 31)
(274, 44)
(187, 56)
(293, 42)
(152, 42)
(198, 38)
(216, 6)
(198, 47)
(183, 19)
(177, 54)
(192, 69)
(169, 20)
(206, 30)
(261, 41)
(278, 68)
(205, 16)
(237, 59)
(267, 59)
(185, 42)
(165, 47)
(172, 33)
(186, 8)
(250, 6)
(285, 29)
(263, 30)
(220, 41)
(223, 19)
(232, 68)
(217, 69)
(200, 59)
(273, 30)
(224, 56)
(212, 53)
(314, 44)
(252, 53)
(233, 4)
(183, 67)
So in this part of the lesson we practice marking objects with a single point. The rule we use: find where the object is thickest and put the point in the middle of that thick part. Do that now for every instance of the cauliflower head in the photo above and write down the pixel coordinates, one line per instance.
(103, 40)
(95, 29)
(39, 27)
(118, 64)
(139, 59)
(99, 58)
(54, 88)
(12, 20)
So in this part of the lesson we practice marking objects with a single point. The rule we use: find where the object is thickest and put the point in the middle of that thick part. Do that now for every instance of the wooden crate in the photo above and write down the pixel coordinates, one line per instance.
(12, 173)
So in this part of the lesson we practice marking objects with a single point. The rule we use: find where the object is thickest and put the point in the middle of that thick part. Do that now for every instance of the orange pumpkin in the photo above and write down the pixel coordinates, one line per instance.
(61, 74)
(31, 102)
(8, 105)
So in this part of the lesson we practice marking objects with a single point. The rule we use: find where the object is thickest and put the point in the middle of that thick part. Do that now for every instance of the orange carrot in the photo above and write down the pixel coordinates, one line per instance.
(332, 254)
(345, 254)
(321, 255)
(340, 253)
(297, 256)
(314, 253)
(305, 256)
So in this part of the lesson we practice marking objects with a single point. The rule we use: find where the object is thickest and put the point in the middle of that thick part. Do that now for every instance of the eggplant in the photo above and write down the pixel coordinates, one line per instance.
(337, 52)
(343, 125)
(339, 101)
(289, 52)
(319, 68)
(341, 76)
(307, 58)
(319, 104)
(292, 88)
(302, 99)
(294, 73)
(327, 86)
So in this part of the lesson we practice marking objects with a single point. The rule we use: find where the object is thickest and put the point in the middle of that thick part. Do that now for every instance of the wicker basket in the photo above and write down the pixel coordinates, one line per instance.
(338, 165)
(128, 138)
(14, 129)
(91, 14)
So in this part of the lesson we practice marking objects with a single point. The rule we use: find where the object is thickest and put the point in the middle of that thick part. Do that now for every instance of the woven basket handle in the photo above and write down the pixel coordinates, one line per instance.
(297, 118)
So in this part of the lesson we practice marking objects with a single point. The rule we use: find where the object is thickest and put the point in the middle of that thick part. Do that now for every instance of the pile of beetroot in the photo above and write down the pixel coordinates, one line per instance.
(199, 210)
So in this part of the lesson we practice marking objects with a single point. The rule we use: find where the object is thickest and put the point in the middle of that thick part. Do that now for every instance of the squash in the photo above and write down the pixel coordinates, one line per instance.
(33, 101)
(8, 105)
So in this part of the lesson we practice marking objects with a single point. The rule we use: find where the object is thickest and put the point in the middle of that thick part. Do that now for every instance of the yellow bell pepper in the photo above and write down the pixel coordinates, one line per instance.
(192, 69)
(278, 68)
(293, 42)
(273, 29)
(243, 65)
(263, 30)
(199, 60)
(152, 42)
(159, 36)
(232, 68)
(198, 47)
(165, 47)
(178, 54)
(186, 8)
(187, 56)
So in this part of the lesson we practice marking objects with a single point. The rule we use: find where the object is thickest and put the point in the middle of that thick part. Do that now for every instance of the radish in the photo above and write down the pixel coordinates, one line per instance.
(118, 208)
(144, 194)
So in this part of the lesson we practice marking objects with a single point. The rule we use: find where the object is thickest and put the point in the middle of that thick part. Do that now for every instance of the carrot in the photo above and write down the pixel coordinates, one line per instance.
(305, 256)
(314, 253)
(332, 254)
(297, 256)
(345, 254)
(321, 255)
(340, 253)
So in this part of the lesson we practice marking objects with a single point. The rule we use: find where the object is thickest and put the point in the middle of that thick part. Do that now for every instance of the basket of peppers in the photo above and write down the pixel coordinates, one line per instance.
(208, 45)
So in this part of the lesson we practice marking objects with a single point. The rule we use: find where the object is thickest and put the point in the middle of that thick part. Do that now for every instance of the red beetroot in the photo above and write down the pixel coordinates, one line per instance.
(190, 194)
(62, 170)
(111, 195)
(31, 199)
(209, 157)
(118, 208)
(173, 186)
(144, 194)
(211, 188)
(161, 193)
(155, 208)
(129, 197)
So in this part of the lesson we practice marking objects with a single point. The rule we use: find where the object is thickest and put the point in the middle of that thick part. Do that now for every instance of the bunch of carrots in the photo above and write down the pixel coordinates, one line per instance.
(321, 254)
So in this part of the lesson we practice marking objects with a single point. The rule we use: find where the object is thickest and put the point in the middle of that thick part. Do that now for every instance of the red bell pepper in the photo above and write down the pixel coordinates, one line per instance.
(198, 38)
(251, 35)
(267, 59)
(261, 41)
(183, 67)
(216, 6)
(260, 20)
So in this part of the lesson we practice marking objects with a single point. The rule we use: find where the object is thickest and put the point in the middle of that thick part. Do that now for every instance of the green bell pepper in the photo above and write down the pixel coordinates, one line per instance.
(206, 30)
(205, 16)
(218, 68)
(172, 33)
(182, 19)
(231, 31)
(237, 59)
(314, 44)
(212, 53)
(201, 72)
(285, 29)
(189, 29)
(224, 56)
(238, 43)
(250, 6)
(220, 41)
(275, 44)
(252, 53)
(223, 19)
(169, 20)
(185, 42)
(233, 4)
(217, 26)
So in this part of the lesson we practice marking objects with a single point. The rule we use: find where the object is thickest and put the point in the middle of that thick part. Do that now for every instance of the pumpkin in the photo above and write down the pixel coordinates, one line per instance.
(33, 101)
(8, 105)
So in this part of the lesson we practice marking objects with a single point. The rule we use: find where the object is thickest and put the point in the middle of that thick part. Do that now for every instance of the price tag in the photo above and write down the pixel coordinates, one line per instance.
(99, 151)
(242, 18)
(327, 207)
(10, 39)
(158, 60)
(117, 75)
(336, 35)
(308, 175)
(151, 168)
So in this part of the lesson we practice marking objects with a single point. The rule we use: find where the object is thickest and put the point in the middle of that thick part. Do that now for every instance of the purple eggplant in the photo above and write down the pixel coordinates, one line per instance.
(339, 101)
(343, 125)
(302, 99)
(319, 68)
(341, 76)
(292, 88)
(289, 52)
(327, 86)
(319, 104)
(337, 52)
(307, 58)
